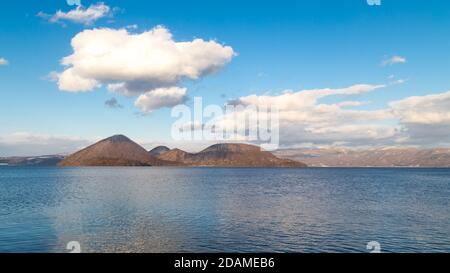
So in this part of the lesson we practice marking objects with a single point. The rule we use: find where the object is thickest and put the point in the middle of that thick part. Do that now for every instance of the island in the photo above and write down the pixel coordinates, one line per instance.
(119, 150)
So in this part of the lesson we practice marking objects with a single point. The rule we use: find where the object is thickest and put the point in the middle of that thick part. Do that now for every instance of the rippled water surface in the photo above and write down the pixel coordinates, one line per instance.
(224, 210)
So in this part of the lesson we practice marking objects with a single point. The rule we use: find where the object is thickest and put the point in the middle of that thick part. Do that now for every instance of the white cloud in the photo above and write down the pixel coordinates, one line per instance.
(399, 81)
(73, 2)
(305, 119)
(161, 97)
(418, 120)
(394, 60)
(352, 103)
(430, 109)
(80, 14)
(3, 61)
(30, 144)
(134, 64)
(141, 62)
(290, 100)
(132, 27)
(70, 81)
(425, 119)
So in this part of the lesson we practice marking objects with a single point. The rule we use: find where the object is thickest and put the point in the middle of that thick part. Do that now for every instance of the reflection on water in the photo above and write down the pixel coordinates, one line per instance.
(224, 210)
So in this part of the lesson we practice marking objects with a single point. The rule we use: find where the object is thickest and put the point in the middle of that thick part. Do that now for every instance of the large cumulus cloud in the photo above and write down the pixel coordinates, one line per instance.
(135, 64)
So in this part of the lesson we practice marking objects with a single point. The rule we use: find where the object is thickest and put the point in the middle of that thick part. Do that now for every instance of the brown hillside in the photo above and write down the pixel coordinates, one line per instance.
(159, 150)
(229, 155)
(114, 151)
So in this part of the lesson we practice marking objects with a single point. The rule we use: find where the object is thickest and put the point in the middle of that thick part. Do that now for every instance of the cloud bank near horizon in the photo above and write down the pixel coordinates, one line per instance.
(30, 144)
(305, 120)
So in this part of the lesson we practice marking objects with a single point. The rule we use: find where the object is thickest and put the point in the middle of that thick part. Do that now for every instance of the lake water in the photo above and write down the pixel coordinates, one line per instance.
(224, 210)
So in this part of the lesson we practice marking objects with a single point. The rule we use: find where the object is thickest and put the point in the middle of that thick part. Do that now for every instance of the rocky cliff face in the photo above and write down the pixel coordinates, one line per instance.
(229, 155)
(114, 151)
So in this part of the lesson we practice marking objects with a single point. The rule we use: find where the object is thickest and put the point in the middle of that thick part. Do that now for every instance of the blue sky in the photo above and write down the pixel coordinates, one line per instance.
(280, 45)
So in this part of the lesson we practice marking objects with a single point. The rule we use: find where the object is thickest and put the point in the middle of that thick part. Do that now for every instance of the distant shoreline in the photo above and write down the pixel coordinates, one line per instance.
(224, 167)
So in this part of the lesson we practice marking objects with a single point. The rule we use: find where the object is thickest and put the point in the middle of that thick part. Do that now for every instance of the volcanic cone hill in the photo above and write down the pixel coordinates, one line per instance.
(117, 150)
